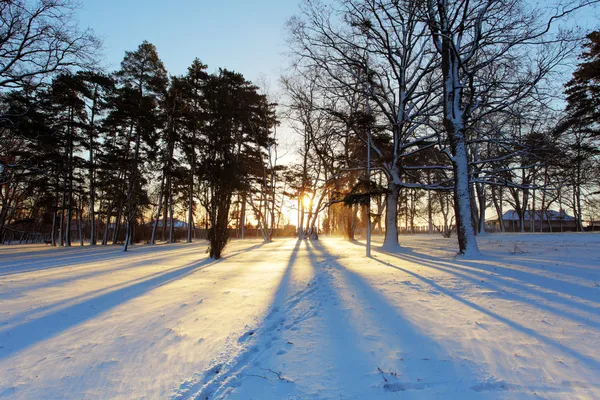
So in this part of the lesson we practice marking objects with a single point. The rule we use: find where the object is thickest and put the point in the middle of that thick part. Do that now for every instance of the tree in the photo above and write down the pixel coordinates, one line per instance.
(39, 39)
(96, 86)
(583, 90)
(194, 86)
(67, 105)
(321, 151)
(233, 106)
(471, 36)
(144, 75)
(377, 55)
(579, 130)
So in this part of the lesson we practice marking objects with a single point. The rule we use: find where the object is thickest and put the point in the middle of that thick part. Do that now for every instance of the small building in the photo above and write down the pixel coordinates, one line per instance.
(544, 221)
(177, 223)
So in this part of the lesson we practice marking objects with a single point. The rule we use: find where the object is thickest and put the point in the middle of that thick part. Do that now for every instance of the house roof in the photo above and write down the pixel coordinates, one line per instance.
(177, 223)
(549, 215)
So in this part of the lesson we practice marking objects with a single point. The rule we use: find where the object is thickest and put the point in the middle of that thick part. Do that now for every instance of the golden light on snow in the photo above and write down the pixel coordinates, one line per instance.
(157, 321)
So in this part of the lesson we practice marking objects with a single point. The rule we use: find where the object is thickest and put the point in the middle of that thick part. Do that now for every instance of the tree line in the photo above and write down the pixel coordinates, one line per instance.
(452, 105)
(80, 144)
(458, 103)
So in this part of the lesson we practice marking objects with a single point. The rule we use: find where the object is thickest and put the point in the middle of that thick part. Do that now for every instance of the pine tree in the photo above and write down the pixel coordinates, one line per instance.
(232, 104)
(195, 80)
(144, 74)
(583, 90)
(580, 132)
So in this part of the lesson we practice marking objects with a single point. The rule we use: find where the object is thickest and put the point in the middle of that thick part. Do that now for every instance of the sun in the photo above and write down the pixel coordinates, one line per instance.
(306, 201)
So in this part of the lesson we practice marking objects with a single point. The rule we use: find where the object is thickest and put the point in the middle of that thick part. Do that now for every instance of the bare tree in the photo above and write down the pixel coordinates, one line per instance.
(380, 51)
(472, 35)
(39, 39)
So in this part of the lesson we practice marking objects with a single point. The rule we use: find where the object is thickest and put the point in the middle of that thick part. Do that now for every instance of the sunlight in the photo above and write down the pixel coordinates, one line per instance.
(306, 200)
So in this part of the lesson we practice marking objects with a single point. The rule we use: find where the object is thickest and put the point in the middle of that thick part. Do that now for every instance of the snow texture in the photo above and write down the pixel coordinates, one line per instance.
(303, 320)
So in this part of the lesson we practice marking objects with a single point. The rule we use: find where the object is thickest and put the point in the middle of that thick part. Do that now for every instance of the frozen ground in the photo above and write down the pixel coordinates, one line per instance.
(303, 320)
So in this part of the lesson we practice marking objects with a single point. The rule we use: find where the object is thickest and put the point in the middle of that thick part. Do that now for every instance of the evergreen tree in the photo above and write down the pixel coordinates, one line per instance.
(583, 90)
(580, 130)
(144, 77)
(232, 104)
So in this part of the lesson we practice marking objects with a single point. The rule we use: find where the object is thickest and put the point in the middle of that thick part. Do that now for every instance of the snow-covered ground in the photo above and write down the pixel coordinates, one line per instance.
(303, 320)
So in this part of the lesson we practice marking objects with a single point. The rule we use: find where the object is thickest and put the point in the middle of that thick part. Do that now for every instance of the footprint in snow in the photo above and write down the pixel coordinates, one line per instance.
(491, 386)
(246, 336)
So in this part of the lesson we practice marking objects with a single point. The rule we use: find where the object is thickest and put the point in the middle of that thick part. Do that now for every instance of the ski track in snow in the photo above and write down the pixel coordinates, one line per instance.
(305, 320)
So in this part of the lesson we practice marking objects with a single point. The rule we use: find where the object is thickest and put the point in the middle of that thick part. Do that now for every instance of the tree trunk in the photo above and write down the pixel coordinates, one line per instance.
(474, 206)
(243, 216)
(71, 167)
(482, 202)
(301, 219)
(190, 221)
(61, 225)
(115, 235)
(429, 213)
(390, 241)
(80, 221)
(467, 243)
(54, 215)
(171, 218)
(91, 172)
(454, 118)
(497, 200)
(158, 210)
(107, 225)
(165, 214)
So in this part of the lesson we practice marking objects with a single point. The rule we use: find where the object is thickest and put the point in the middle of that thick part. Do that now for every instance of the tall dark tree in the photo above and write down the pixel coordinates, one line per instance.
(195, 81)
(583, 91)
(580, 129)
(143, 73)
(232, 104)
(95, 89)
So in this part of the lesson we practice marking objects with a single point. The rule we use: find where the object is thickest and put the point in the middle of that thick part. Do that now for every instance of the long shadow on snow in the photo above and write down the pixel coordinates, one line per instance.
(549, 289)
(45, 327)
(15, 255)
(56, 306)
(125, 265)
(205, 385)
(403, 334)
(587, 360)
(86, 272)
(82, 256)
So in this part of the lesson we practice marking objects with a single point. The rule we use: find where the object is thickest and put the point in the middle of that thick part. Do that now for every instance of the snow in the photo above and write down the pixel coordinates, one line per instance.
(303, 319)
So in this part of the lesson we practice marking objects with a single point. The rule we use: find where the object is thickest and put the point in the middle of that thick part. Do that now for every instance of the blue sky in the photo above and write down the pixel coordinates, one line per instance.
(245, 36)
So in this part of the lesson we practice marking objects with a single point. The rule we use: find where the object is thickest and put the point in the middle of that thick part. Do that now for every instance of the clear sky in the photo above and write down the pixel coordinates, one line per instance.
(244, 36)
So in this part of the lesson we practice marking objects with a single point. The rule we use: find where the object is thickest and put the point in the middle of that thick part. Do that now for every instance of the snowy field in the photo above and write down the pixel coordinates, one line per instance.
(303, 320)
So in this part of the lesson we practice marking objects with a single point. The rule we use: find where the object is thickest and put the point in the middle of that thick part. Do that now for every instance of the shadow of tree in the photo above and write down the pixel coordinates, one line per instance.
(590, 362)
(90, 304)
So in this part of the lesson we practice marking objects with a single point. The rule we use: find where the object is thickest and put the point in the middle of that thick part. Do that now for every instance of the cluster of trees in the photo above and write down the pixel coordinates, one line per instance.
(80, 145)
(456, 101)
(404, 109)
